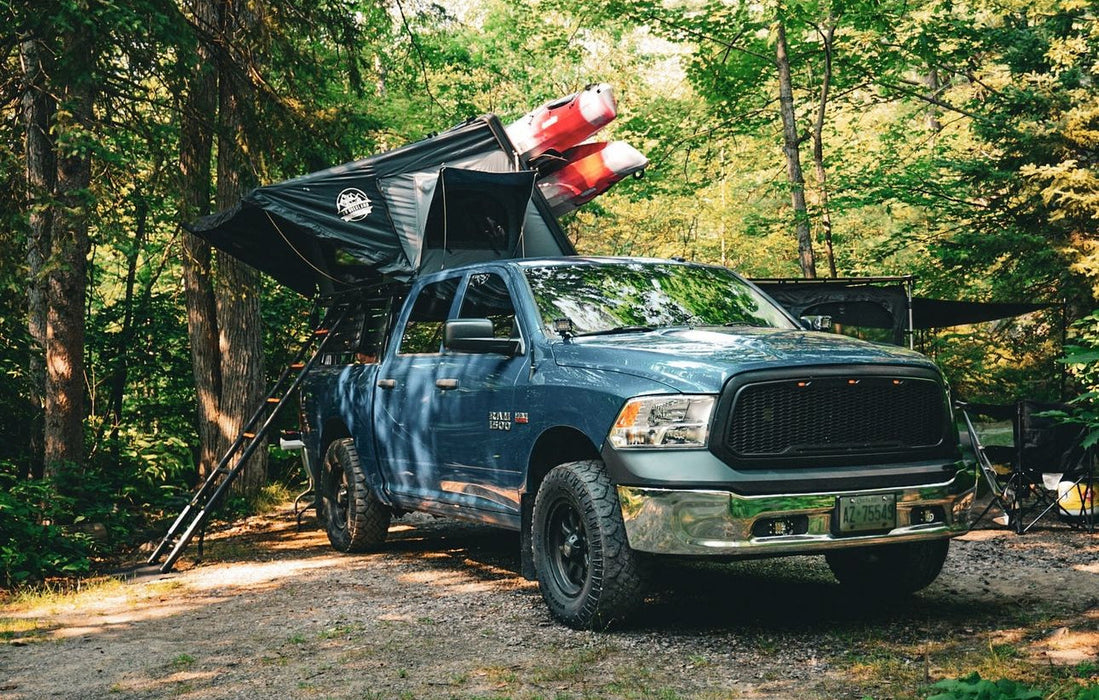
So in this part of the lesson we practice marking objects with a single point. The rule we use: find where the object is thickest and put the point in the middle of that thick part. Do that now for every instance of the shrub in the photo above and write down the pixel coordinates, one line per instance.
(37, 540)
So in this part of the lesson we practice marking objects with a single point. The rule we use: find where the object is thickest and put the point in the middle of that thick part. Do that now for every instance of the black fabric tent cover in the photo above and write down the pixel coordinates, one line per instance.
(941, 313)
(856, 304)
(883, 303)
(460, 196)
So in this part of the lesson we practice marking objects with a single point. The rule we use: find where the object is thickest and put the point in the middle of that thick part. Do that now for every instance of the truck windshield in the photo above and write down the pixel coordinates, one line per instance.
(638, 296)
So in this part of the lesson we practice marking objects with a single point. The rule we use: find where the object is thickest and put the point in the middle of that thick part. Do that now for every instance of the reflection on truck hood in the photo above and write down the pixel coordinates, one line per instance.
(701, 359)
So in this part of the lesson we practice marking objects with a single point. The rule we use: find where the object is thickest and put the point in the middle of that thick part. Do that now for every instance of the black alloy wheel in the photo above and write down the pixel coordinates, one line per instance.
(569, 558)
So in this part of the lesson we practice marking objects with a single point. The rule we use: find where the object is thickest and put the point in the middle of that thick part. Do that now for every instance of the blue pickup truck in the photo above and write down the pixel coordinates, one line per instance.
(614, 411)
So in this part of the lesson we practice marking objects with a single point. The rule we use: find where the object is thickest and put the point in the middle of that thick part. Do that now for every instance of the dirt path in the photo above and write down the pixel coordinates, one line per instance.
(442, 612)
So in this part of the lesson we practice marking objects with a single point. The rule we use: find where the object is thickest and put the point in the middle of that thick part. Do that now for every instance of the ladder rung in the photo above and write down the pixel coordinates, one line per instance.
(321, 331)
(249, 435)
(298, 365)
(273, 399)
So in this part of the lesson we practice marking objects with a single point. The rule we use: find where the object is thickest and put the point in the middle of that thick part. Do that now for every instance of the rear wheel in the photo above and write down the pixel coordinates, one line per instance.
(355, 519)
(889, 570)
(587, 573)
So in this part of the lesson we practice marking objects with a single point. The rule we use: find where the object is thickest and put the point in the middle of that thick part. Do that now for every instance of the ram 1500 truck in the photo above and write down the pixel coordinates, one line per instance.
(614, 411)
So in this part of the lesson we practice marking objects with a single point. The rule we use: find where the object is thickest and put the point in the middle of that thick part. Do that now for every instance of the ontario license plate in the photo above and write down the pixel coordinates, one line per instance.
(866, 513)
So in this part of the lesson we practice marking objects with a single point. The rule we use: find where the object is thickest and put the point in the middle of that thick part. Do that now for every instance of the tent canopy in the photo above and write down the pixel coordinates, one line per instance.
(460, 196)
(883, 302)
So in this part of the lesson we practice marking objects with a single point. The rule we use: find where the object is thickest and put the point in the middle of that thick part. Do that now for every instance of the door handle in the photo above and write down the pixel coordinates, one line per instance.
(387, 383)
(446, 383)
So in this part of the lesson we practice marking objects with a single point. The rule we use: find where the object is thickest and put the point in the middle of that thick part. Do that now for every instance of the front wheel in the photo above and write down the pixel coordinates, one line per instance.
(889, 570)
(355, 519)
(587, 573)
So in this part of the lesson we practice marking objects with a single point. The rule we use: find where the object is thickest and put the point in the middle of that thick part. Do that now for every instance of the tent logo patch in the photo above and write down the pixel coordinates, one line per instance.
(353, 205)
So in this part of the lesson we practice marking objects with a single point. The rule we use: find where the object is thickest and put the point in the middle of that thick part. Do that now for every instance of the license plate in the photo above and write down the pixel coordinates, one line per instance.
(865, 513)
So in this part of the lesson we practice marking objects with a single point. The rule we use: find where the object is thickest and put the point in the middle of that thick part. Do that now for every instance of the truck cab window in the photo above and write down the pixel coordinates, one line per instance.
(423, 334)
(487, 297)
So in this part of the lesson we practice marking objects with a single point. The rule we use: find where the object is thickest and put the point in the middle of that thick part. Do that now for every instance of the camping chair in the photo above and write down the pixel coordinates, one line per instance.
(1046, 471)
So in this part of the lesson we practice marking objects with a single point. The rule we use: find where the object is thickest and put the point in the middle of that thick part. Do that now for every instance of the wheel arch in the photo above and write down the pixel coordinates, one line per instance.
(557, 445)
(333, 429)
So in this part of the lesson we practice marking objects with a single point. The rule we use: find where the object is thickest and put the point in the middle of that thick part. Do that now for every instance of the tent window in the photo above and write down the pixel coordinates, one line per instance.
(423, 334)
(477, 212)
(471, 221)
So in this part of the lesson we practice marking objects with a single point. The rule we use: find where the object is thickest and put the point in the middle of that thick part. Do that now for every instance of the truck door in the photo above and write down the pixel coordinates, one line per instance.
(407, 396)
(481, 425)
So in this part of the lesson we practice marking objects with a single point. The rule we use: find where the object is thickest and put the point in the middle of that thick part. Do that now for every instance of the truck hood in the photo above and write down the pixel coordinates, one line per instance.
(702, 359)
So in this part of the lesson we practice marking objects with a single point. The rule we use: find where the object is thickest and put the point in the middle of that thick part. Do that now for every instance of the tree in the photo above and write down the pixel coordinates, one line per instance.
(237, 288)
(196, 151)
(40, 171)
(792, 149)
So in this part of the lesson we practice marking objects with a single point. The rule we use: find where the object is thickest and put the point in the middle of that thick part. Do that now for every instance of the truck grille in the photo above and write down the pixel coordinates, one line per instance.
(838, 415)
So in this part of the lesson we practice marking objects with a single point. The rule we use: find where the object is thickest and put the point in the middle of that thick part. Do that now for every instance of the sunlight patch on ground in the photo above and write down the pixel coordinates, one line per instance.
(163, 685)
(254, 574)
(985, 535)
(116, 606)
(1064, 646)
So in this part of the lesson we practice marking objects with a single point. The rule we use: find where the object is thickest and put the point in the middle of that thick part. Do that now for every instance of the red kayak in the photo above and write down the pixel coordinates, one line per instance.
(562, 123)
(590, 170)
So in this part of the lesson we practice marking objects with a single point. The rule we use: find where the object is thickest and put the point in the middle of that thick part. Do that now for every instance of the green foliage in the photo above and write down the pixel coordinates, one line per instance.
(1004, 361)
(1082, 361)
(37, 539)
(973, 687)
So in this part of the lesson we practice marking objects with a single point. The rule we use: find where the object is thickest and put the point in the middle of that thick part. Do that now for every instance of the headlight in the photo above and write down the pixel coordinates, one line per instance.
(663, 421)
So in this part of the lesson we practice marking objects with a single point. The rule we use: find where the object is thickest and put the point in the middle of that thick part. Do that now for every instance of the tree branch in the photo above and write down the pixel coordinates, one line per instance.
(930, 100)
(419, 55)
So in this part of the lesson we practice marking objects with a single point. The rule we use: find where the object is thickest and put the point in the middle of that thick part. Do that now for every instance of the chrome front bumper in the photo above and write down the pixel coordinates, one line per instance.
(721, 523)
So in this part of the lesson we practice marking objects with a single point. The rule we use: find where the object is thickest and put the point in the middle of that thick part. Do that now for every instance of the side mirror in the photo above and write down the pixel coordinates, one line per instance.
(817, 323)
(475, 335)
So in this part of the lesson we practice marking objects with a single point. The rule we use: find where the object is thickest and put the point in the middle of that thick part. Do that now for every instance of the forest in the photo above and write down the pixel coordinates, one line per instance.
(952, 140)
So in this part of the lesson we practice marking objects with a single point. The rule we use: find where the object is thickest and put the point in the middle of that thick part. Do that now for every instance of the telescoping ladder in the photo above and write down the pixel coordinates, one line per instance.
(195, 514)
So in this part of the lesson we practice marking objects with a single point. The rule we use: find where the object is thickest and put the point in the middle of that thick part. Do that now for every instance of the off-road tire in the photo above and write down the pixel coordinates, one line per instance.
(889, 570)
(587, 573)
(355, 519)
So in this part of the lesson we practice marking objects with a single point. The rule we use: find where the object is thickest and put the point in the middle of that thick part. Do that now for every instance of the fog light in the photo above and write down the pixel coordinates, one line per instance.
(927, 516)
(778, 527)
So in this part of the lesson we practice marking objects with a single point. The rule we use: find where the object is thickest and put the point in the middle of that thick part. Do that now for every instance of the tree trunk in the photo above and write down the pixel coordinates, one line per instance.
(196, 152)
(827, 36)
(65, 391)
(238, 286)
(791, 143)
(38, 110)
(931, 80)
(125, 337)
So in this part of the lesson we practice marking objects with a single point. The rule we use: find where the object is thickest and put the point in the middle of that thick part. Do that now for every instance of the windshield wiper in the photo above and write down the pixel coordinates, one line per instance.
(742, 324)
(617, 330)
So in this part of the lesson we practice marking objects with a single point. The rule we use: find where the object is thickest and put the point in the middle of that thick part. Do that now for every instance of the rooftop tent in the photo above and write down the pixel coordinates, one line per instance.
(459, 196)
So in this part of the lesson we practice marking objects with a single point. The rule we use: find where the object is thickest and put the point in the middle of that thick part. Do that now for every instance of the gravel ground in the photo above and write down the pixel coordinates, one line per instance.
(442, 612)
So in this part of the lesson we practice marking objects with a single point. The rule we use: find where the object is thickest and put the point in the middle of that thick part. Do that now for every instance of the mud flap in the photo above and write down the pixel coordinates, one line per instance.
(526, 547)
